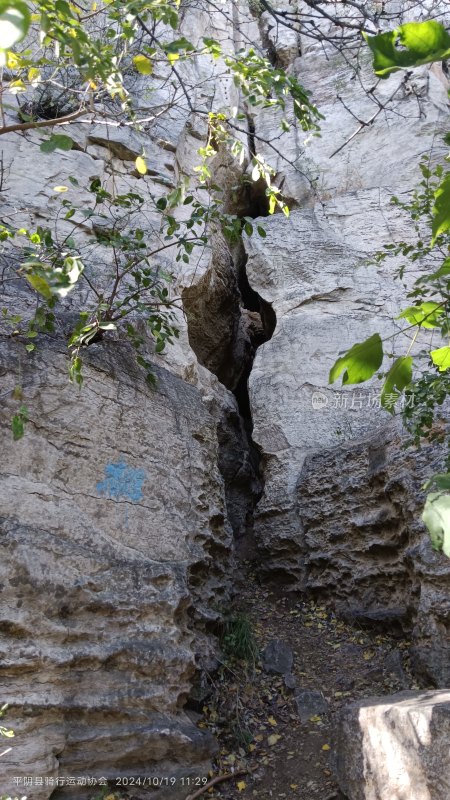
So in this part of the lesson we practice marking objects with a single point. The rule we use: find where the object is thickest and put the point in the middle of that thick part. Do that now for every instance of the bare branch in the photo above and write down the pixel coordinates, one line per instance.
(44, 123)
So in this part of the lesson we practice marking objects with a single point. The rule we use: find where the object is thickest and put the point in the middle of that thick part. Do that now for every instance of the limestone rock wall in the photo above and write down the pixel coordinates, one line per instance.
(118, 506)
(115, 556)
(328, 521)
(365, 548)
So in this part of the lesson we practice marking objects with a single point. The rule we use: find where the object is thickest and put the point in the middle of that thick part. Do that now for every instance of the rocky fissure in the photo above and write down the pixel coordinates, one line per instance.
(248, 322)
(227, 322)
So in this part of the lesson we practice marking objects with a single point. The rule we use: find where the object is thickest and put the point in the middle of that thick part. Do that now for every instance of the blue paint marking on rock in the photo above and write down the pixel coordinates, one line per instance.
(122, 481)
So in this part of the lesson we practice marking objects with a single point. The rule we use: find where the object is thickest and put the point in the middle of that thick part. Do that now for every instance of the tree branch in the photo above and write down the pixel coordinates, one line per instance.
(366, 124)
(42, 123)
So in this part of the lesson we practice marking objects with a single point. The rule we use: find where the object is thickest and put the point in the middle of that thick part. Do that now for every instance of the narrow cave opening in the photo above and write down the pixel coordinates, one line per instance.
(250, 201)
(261, 323)
(227, 322)
(227, 319)
(249, 198)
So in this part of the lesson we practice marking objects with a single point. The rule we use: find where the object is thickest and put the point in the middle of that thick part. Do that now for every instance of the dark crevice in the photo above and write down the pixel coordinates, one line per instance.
(260, 322)
(227, 322)
(251, 136)
(249, 199)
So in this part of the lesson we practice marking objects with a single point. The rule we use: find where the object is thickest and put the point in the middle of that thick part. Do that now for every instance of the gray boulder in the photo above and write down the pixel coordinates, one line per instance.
(278, 658)
(395, 747)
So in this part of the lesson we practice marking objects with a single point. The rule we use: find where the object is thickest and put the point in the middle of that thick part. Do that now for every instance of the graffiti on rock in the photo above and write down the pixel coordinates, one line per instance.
(122, 481)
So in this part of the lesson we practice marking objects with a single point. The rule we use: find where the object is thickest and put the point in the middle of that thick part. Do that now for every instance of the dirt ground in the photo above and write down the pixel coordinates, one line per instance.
(264, 744)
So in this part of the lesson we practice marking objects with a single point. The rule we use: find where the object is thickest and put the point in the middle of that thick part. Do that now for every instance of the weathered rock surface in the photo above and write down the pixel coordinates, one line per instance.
(118, 507)
(366, 549)
(116, 554)
(337, 523)
(395, 747)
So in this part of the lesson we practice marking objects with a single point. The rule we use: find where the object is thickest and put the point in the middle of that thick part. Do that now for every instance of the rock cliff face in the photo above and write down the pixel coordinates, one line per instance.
(341, 502)
(365, 549)
(116, 557)
(120, 504)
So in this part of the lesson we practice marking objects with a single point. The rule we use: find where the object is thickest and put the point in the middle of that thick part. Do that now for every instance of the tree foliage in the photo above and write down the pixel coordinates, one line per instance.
(409, 45)
(65, 63)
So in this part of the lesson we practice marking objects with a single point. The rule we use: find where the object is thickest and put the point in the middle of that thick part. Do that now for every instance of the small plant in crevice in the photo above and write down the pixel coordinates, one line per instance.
(256, 8)
(237, 639)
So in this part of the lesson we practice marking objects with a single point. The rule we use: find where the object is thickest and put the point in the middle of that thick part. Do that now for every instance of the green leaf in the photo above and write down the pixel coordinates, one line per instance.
(47, 146)
(177, 47)
(143, 65)
(442, 272)
(441, 358)
(441, 208)
(256, 174)
(398, 377)
(436, 517)
(56, 142)
(34, 75)
(360, 362)
(426, 315)
(62, 142)
(73, 268)
(40, 285)
(420, 43)
(15, 20)
(75, 367)
(439, 481)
